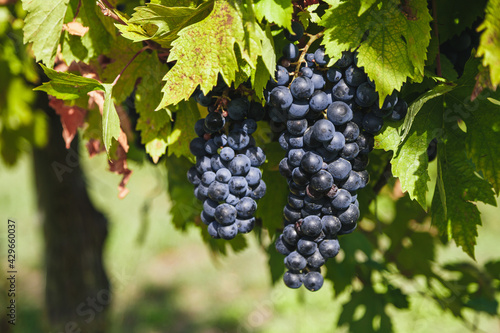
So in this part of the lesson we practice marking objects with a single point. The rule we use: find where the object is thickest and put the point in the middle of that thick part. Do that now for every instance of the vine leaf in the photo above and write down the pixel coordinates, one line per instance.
(67, 86)
(155, 126)
(277, 189)
(456, 16)
(110, 120)
(453, 211)
(43, 27)
(275, 11)
(489, 46)
(392, 47)
(415, 107)
(483, 141)
(183, 131)
(95, 42)
(161, 23)
(206, 49)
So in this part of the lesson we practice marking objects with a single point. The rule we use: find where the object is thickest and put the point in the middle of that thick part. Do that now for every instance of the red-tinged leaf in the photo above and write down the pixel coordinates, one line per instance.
(72, 117)
(75, 28)
(95, 147)
(119, 166)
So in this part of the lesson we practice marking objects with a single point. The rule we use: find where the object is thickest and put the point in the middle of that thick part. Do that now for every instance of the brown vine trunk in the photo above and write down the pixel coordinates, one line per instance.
(77, 288)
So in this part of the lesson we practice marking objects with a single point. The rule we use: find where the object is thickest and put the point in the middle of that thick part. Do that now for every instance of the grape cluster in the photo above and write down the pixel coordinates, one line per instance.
(331, 116)
(226, 176)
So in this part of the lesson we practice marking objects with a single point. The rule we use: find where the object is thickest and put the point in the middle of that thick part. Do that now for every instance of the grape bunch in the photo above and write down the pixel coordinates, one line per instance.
(226, 176)
(331, 116)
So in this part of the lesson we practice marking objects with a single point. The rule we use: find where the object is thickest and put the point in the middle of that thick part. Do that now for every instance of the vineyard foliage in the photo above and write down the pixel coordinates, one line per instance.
(123, 73)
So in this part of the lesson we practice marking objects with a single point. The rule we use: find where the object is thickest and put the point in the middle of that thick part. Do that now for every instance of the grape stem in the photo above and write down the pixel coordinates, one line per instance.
(106, 11)
(312, 39)
(77, 10)
(128, 64)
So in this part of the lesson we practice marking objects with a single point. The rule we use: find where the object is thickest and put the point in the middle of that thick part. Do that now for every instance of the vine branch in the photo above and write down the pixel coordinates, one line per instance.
(312, 39)
(106, 11)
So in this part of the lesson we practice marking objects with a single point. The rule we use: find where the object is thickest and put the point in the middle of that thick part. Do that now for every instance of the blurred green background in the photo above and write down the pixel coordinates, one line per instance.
(165, 280)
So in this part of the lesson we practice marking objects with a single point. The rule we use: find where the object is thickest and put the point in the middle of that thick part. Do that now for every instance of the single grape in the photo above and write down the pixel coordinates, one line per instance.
(292, 280)
(307, 72)
(323, 130)
(197, 147)
(350, 151)
(311, 226)
(319, 101)
(306, 247)
(295, 261)
(354, 76)
(281, 97)
(237, 108)
(313, 281)
(281, 76)
(282, 247)
(228, 232)
(372, 124)
(329, 248)
(227, 154)
(366, 95)
(245, 226)
(302, 88)
(318, 80)
(320, 57)
(322, 181)
(214, 122)
(298, 32)
(346, 60)
(246, 208)
(311, 162)
(296, 127)
(331, 224)
(342, 200)
(334, 75)
(339, 113)
(339, 169)
(291, 51)
(342, 92)
(218, 191)
(336, 144)
(239, 165)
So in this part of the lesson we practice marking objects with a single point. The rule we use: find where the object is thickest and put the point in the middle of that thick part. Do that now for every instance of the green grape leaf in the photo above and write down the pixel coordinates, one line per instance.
(185, 208)
(392, 43)
(415, 107)
(183, 131)
(206, 49)
(110, 119)
(409, 162)
(309, 15)
(142, 66)
(67, 86)
(162, 24)
(458, 217)
(96, 41)
(489, 46)
(43, 27)
(277, 189)
(483, 140)
(454, 16)
(155, 126)
(365, 5)
(275, 11)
